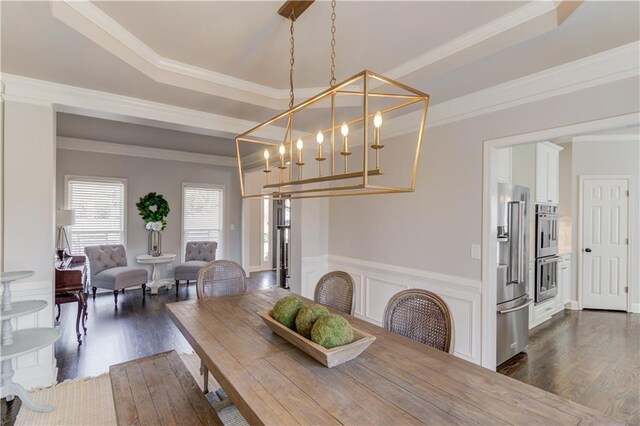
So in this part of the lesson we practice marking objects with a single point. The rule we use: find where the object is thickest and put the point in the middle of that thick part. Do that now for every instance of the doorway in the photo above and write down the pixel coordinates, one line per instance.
(604, 242)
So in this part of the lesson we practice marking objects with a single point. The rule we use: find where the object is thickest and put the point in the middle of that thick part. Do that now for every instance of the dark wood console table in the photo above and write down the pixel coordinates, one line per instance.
(71, 287)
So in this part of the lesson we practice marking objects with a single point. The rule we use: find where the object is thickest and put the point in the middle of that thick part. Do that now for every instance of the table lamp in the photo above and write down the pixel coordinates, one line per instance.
(63, 218)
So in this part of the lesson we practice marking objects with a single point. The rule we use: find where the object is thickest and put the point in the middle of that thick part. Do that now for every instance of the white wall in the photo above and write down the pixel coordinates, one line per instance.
(609, 158)
(29, 225)
(432, 229)
(146, 175)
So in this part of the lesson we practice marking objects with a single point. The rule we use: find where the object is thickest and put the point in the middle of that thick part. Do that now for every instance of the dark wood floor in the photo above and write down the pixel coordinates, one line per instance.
(135, 330)
(590, 357)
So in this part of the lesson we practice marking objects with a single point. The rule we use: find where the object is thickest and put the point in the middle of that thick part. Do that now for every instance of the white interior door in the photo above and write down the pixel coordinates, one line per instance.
(605, 244)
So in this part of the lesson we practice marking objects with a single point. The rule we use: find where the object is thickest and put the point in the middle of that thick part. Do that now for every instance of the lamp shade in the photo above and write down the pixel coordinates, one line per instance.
(65, 217)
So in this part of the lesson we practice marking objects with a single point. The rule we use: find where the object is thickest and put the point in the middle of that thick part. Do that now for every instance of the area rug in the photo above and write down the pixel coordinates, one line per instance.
(89, 401)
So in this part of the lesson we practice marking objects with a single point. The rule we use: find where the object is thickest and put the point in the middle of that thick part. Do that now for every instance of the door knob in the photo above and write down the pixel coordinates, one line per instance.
(588, 250)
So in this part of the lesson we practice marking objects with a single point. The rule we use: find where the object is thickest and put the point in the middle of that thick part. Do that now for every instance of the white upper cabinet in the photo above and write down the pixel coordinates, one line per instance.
(547, 173)
(503, 167)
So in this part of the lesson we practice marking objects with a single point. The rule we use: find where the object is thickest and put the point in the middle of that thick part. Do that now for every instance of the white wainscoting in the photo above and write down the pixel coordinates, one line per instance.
(376, 283)
(34, 369)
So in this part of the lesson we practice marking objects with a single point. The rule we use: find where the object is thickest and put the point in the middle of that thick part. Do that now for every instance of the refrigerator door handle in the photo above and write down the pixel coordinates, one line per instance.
(516, 248)
(517, 308)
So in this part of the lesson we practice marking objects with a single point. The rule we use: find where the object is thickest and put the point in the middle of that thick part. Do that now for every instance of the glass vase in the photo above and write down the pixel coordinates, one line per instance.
(155, 243)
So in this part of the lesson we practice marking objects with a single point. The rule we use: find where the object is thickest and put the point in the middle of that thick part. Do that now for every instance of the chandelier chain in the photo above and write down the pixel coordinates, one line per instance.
(292, 18)
(332, 82)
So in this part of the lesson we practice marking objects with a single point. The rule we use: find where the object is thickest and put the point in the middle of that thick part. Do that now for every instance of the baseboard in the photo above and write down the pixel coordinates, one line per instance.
(634, 308)
(572, 305)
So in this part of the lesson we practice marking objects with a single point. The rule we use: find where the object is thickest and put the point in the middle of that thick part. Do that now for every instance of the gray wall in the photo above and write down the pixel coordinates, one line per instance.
(432, 229)
(145, 175)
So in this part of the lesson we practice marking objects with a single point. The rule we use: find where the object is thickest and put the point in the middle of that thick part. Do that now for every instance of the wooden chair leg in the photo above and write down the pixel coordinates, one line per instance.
(94, 289)
(187, 283)
(115, 297)
(144, 292)
(205, 372)
(177, 286)
(58, 316)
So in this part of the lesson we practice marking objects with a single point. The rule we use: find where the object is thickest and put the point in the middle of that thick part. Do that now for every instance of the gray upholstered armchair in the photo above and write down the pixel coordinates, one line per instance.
(108, 269)
(197, 254)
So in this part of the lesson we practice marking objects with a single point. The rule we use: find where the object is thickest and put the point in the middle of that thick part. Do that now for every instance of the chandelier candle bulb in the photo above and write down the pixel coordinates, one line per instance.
(281, 151)
(377, 123)
(266, 161)
(320, 140)
(345, 141)
(299, 145)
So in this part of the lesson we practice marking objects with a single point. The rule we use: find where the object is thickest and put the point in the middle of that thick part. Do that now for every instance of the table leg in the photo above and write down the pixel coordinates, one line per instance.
(83, 297)
(155, 280)
(78, 315)
(10, 389)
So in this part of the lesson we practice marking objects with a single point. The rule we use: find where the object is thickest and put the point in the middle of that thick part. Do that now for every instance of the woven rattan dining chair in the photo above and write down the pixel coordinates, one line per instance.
(422, 316)
(219, 278)
(335, 290)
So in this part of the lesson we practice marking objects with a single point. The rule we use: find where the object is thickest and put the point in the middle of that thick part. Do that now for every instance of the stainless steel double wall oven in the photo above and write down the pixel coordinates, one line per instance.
(547, 258)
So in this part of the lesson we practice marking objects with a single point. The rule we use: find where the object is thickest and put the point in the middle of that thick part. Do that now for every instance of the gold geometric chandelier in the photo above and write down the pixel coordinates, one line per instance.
(285, 157)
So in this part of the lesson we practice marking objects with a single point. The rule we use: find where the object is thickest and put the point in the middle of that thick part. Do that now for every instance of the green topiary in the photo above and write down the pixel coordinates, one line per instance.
(331, 330)
(286, 309)
(307, 317)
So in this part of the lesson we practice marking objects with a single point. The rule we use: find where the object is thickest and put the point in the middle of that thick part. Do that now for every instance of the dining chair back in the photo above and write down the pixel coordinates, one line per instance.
(422, 316)
(335, 289)
(221, 278)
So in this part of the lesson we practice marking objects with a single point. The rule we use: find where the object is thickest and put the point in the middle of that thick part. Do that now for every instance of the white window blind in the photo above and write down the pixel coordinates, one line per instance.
(99, 212)
(203, 214)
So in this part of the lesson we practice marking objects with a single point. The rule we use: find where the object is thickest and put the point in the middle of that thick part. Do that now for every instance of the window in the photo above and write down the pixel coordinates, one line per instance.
(99, 206)
(202, 218)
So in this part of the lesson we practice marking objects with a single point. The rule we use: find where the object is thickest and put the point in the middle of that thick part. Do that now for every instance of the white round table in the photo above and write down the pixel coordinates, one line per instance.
(156, 282)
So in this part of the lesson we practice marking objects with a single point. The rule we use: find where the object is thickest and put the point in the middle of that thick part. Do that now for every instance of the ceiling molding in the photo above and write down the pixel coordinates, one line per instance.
(93, 103)
(612, 65)
(607, 138)
(497, 27)
(98, 26)
(605, 67)
(101, 147)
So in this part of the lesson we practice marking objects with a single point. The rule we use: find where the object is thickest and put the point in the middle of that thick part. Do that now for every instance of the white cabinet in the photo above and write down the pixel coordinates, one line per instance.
(503, 166)
(564, 279)
(547, 172)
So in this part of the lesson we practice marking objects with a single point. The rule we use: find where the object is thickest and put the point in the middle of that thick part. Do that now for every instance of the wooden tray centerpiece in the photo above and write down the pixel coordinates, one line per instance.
(327, 357)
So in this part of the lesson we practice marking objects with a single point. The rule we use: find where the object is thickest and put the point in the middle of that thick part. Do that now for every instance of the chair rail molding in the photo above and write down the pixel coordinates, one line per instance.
(375, 283)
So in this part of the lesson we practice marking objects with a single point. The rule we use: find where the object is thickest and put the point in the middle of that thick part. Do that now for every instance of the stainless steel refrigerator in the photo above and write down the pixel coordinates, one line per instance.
(513, 266)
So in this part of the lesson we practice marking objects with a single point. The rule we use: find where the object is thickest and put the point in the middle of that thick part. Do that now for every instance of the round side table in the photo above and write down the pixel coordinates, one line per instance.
(20, 342)
(156, 282)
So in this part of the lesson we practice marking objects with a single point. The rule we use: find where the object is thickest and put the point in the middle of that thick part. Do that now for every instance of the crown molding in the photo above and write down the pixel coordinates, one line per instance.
(500, 26)
(90, 21)
(607, 138)
(606, 67)
(93, 103)
(101, 147)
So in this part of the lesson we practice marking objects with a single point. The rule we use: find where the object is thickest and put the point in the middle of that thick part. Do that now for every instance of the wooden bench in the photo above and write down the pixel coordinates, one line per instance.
(159, 390)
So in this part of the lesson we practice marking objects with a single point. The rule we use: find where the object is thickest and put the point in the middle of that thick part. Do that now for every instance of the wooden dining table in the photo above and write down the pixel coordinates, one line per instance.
(394, 381)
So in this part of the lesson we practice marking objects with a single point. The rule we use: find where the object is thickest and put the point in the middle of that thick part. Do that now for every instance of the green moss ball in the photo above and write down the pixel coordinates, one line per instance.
(307, 317)
(331, 331)
(286, 309)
